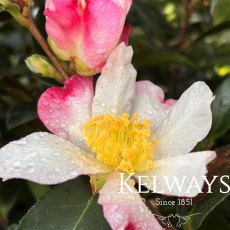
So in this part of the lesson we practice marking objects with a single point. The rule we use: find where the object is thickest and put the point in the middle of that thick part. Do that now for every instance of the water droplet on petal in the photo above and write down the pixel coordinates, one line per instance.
(42, 160)
(1, 169)
(113, 110)
(149, 112)
(95, 101)
(16, 164)
(30, 168)
(57, 170)
(142, 209)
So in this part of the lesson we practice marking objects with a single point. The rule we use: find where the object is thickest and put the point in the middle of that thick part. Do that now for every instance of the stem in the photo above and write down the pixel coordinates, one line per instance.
(40, 39)
(189, 8)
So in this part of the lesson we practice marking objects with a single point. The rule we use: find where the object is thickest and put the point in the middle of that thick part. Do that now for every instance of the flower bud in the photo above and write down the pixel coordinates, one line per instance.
(40, 65)
(19, 9)
(86, 31)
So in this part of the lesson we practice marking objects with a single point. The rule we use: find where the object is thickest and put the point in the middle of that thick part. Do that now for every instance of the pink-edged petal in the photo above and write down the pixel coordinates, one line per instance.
(125, 210)
(46, 159)
(86, 29)
(63, 21)
(115, 87)
(182, 168)
(103, 25)
(170, 102)
(64, 110)
(125, 34)
(188, 122)
(149, 103)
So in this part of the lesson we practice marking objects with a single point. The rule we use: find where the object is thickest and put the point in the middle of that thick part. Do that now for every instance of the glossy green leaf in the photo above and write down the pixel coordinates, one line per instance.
(214, 30)
(204, 208)
(218, 218)
(38, 190)
(163, 59)
(69, 206)
(206, 202)
(221, 110)
(146, 56)
(4, 63)
(221, 12)
(20, 114)
(14, 10)
(13, 227)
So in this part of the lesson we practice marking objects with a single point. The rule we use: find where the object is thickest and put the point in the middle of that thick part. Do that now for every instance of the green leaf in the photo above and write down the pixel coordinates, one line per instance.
(14, 10)
(4, 62)
(221, 110)
(218, 218)
(69, 206)
(20, 114)
(163, 59)
(214, 30)
(13, 227)
(146, 56)
(221, 11)
(205, 208)
(38, 190)
(206, 202)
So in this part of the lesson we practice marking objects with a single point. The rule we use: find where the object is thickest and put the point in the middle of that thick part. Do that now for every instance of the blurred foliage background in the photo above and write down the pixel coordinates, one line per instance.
(175, 44)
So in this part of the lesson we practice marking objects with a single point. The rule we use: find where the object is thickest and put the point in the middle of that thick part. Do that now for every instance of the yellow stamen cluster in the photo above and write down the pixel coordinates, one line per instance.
(121, 142)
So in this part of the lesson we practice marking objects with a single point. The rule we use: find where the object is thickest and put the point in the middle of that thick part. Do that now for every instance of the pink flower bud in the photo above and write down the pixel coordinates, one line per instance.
(87, 30)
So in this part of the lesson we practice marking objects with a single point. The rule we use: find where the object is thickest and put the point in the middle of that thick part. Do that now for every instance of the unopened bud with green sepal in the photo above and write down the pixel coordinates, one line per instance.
(41, 66)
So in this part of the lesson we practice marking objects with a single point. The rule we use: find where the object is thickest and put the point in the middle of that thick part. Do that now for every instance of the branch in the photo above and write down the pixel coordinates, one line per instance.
(40, 39)
(189, 8)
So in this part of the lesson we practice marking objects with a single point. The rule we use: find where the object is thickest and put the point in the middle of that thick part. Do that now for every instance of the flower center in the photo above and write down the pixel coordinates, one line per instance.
(121, 142)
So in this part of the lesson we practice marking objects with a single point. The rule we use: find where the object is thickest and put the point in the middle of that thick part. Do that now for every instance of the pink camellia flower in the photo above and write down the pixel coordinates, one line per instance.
(86, 31)
(124, 128)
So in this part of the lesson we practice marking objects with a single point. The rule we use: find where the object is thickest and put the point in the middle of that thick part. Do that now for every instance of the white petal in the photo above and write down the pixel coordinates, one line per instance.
(149, 103)
(115, 86)
(187, 123)
(46, 159)
(182, 168)
(125, 210)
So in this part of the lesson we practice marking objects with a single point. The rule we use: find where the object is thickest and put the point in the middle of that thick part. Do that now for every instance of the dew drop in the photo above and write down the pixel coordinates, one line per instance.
(52, 176)
(30, 168)
(113, 110)
(42, 160)
(74, 173)
(16, 164)
(63, 135)
(32, 154)
(57, 170)
(67, 103)
(95, 101)
(142, 209)
(56, 154)
(1, 169)
(149, 112)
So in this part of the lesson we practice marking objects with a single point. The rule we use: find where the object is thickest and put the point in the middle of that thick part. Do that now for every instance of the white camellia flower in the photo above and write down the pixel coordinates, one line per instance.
(126, 126)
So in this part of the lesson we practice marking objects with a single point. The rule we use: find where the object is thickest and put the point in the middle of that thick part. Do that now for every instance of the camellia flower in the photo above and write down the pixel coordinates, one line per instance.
(126, 126)
(86, 31)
